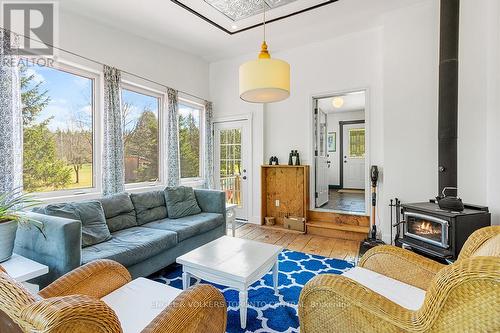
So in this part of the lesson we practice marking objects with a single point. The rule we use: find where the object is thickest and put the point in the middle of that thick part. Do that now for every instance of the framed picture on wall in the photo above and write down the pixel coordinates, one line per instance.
(332, 142)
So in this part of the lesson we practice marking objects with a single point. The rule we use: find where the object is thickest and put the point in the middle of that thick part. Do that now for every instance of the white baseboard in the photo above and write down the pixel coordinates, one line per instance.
(254, 220)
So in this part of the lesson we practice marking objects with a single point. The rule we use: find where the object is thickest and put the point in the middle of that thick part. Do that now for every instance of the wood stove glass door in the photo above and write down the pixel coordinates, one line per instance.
(426, 228)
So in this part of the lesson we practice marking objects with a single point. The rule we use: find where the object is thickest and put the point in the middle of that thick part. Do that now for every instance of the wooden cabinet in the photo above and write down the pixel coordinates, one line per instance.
(285, 191)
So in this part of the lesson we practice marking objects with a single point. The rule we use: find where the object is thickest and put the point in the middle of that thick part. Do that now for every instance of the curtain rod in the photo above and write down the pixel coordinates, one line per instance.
(103, 64)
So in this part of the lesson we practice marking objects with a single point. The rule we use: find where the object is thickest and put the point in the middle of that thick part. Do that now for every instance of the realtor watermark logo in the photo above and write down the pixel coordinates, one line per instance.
(34, 22)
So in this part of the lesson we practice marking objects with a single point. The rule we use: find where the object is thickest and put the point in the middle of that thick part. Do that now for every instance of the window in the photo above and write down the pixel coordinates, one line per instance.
(190, 150)
(58, 129)
(357, 143)
(141, 136)
(230, 164)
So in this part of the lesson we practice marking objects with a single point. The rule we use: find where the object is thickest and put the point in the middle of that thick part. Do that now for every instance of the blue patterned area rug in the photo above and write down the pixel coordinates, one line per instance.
(268, 312)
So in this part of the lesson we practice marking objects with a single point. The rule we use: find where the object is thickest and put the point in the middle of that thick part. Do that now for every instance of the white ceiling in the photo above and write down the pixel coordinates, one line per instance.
(352, 102)
(169, 24)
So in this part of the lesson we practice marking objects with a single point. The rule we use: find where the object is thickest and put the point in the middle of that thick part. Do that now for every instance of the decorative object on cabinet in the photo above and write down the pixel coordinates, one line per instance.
(294, 158)
(274, 160)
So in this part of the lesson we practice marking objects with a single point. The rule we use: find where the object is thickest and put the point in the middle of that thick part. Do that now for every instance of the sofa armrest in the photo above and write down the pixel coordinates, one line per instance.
(211, 201)
(60, 248)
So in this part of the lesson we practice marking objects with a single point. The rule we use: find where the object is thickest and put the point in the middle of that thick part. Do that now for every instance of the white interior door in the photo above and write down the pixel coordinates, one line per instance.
(354, 156)
(322, 164)
(232, 153)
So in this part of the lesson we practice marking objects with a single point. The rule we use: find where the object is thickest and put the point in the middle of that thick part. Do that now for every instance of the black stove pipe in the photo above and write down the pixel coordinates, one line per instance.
(448, 94)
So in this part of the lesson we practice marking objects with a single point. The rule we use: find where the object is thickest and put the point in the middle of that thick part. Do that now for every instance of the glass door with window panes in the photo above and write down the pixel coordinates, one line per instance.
(231, 164)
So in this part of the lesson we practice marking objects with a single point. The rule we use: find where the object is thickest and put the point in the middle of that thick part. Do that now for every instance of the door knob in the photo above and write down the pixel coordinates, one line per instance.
(244, 177)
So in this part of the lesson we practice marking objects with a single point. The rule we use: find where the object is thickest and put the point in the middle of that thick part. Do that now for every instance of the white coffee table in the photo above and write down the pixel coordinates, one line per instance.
(232, 262)
(23, 269)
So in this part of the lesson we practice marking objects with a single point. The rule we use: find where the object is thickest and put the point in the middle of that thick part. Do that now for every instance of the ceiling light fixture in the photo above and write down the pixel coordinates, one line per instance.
(338, 102)
(264, 80)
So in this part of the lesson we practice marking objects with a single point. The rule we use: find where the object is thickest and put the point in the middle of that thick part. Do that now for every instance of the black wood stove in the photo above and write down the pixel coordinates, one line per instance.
(438, 233)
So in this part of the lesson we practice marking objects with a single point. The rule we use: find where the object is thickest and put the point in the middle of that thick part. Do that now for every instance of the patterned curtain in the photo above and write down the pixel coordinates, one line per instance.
(173, 168)
(113, 178)
(209, 146)
(11, 135)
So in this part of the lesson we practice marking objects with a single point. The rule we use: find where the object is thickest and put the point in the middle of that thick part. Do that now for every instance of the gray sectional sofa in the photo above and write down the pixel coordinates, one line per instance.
(141, 235)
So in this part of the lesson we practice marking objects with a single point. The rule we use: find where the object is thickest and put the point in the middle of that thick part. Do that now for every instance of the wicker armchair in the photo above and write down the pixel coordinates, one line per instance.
(73, 304)
(462, 297)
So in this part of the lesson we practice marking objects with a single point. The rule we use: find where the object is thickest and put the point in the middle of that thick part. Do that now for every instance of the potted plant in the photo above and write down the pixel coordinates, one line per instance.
(12, 205)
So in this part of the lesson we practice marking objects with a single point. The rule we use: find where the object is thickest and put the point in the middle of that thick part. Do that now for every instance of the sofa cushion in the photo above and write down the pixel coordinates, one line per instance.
(89, 213)
(149, 206)
(119, 212)
(189, 226)
(407, 296)
(181, 202)
(131, 246)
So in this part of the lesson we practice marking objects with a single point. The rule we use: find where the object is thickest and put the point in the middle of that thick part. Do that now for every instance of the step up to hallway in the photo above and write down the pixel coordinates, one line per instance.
(337, 225)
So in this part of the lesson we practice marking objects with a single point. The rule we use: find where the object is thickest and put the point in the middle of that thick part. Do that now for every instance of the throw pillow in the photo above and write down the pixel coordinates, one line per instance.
(181, 202)
(119, 212)
(90, 213)
(149, 206)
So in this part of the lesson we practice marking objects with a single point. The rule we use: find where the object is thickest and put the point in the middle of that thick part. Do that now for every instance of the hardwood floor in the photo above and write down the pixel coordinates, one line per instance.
(323, 246)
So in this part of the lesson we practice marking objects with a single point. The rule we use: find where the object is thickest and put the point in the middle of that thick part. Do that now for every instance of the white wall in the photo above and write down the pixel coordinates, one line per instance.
(317, 69)
(410, 53)
(333, 126)
(137, 55)
(493, 113)
(479, 108)
(398, 63)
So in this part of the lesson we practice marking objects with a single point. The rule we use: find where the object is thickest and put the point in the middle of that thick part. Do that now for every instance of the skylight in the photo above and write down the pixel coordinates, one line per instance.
(241, 9)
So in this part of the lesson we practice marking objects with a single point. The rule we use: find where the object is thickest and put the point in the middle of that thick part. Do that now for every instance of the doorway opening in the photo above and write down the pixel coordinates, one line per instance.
(340, 152)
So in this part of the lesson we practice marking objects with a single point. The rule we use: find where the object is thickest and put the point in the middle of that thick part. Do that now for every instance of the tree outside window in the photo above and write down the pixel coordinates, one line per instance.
(141, 136)
(57, 129)
(190, 140)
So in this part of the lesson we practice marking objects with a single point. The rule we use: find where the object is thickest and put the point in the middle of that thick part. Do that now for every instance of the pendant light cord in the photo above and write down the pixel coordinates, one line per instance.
(264, 4)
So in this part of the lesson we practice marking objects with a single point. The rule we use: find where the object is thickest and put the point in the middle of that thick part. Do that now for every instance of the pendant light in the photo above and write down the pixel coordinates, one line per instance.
(264, 80)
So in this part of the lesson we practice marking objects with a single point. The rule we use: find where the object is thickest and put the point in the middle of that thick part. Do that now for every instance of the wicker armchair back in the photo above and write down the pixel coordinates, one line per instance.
(72, 304)
(462, 297)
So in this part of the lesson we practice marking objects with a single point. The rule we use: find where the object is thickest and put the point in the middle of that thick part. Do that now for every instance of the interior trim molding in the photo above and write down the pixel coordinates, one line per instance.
(206, 19)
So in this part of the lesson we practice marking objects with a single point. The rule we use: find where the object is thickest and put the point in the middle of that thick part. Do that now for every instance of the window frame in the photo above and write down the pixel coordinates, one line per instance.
(149, 91)
(95, 77)
(200, 180)
(364, 143)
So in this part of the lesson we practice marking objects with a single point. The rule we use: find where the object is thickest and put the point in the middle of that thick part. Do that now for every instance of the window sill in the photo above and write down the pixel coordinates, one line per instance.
(193, 182)
(69, 197)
